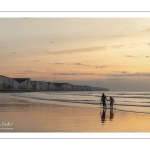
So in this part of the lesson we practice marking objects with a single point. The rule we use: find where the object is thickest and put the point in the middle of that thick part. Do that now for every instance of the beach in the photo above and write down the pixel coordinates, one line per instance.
(18, 114)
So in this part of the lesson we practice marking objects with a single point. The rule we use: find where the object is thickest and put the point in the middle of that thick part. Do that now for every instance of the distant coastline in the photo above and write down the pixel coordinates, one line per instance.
(8, 84)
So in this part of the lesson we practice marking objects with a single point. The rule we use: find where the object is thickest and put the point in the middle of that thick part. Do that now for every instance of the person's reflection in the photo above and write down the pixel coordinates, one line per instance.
(111, 114)
(103, 115)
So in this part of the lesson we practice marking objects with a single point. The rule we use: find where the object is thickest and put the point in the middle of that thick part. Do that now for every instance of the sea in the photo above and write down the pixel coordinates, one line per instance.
(138, 102)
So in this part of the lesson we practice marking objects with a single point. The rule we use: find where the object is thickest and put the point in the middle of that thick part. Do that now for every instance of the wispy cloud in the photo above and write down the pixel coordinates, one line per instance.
(146, 30)
(132, 56)
(13, 53)
(129, 56)
(30, 72)
(83, 50)
(113, 75)
(80, 50)
(79, 64)
(137, 74)
(147, 56)
(100, 66)
(35, 61)
(73, 73)
(117, 46)
(147, 43)
(115, 36)
(59, 63)
(121, 71)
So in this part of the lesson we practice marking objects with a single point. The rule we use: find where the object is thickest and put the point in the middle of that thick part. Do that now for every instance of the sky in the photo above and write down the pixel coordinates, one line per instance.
(101, 52)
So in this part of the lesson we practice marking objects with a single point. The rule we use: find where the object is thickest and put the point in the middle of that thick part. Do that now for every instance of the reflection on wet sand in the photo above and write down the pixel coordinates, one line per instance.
(103, 115)
(29, 115)
(111, 114)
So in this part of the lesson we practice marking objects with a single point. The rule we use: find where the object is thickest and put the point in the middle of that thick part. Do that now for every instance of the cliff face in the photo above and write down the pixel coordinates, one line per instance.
(7, 83)
(23, 83)
(70, 87)
(43, 86)
(63, 86)
(39, 85)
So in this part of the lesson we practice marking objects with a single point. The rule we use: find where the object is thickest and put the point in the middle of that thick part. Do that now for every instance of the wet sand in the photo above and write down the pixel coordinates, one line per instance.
(29, 115)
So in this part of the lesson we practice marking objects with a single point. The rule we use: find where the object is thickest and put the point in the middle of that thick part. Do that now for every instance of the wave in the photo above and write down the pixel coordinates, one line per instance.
(74, 94)
(93, 102)
(135, 97)
(92, 94)
(128, 104)
(134, 94)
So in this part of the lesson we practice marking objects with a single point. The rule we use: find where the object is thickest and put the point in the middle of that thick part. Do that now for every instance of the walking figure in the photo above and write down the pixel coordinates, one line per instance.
(103, 99)
(111, 102)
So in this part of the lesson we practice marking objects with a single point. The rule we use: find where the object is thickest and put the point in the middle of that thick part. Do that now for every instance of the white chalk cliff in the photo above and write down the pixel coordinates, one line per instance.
(25, 84)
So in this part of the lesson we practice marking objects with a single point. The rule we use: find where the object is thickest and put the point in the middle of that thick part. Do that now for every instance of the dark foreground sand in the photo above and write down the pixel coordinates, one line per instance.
(27, 115)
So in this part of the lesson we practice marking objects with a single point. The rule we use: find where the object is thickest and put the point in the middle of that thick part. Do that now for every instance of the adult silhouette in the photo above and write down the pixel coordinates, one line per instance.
(103, 99)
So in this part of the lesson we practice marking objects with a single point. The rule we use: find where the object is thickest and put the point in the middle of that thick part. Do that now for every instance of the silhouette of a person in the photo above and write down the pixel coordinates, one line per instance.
(103, 99)
(111, 102)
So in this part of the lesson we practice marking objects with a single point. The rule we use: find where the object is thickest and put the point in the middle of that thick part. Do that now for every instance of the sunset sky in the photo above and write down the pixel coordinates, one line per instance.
(102, 52)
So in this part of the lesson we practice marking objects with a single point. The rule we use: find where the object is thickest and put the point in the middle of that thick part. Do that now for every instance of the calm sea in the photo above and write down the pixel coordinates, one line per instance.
(125, 101)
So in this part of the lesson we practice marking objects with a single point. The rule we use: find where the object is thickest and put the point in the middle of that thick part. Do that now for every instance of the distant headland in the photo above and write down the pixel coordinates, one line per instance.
(25, 84)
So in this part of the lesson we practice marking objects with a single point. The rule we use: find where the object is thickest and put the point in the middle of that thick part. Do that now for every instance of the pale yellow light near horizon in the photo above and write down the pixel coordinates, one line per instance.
(75, 48)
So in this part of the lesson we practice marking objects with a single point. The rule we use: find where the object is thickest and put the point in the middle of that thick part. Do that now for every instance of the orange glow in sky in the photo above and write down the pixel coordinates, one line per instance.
(108, 52)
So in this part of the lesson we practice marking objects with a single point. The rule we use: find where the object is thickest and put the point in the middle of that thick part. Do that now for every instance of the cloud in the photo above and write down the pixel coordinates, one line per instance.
(100, 66)
(77, 64)
(125, 74)
(30, 72)
(110, 75)
(80, 64)
(121, 72)
(13, 52)
(131, 56)
(114, 36)
(146, 30)
(80, 50)
(73, 73)
(147, 43)
(117, 46)
(59, 63)
(83, 50)
(51, 42)
(35, 60)
(46, 51)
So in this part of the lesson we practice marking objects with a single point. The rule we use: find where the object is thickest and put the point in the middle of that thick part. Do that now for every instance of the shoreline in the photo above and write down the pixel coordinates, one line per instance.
(76, 103)
(30, 115)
